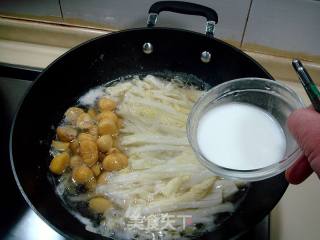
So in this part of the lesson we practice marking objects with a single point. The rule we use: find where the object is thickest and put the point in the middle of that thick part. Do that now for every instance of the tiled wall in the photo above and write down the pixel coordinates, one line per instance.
(129, 14)
(291, 26)
(34, 9)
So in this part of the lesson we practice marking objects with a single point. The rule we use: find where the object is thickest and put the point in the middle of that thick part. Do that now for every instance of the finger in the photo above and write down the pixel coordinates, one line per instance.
(299, 171)
(304, 124)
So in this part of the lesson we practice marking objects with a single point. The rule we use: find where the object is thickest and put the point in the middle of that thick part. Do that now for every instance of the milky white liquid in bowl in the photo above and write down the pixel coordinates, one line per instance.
(240, 136)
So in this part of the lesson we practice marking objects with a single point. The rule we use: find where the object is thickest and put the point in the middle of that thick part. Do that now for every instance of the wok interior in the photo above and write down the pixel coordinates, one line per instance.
(105, 59)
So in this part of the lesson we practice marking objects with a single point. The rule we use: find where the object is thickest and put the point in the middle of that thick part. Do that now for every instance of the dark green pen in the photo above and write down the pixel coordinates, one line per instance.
(308, 84)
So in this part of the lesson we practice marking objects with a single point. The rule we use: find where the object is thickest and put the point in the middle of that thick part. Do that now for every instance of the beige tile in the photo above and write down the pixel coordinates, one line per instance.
(281, 68)
(45, 33)
(28, 54)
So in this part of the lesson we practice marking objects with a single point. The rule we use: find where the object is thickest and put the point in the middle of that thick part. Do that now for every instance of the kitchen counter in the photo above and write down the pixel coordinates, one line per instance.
(296, 215)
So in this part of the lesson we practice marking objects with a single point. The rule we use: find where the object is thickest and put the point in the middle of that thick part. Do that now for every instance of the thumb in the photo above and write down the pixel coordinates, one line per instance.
(304, 124)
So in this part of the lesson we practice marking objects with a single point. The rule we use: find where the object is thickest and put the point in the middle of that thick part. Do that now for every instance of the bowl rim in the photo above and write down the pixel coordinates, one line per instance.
(246, 175)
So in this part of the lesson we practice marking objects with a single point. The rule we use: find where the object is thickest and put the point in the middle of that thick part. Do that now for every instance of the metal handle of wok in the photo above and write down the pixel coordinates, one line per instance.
(184, 8)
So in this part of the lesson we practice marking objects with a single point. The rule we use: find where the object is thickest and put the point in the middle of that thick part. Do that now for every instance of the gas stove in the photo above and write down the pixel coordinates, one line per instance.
(18, 219)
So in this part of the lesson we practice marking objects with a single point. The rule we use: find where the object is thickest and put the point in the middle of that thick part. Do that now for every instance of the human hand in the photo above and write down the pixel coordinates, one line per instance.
(304, 124)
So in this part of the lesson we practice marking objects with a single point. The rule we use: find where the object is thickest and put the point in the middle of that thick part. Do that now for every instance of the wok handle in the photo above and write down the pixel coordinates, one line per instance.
(184, 8)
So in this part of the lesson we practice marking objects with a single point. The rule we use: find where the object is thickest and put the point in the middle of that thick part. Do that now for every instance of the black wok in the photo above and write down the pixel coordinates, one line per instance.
(109, 57)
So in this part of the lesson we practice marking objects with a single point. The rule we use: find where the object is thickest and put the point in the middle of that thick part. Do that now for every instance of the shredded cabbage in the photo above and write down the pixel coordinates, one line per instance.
(163, 176)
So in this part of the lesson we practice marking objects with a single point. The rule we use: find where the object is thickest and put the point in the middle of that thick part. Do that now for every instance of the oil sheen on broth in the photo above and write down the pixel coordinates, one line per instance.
(154, 175)
(240, 136)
